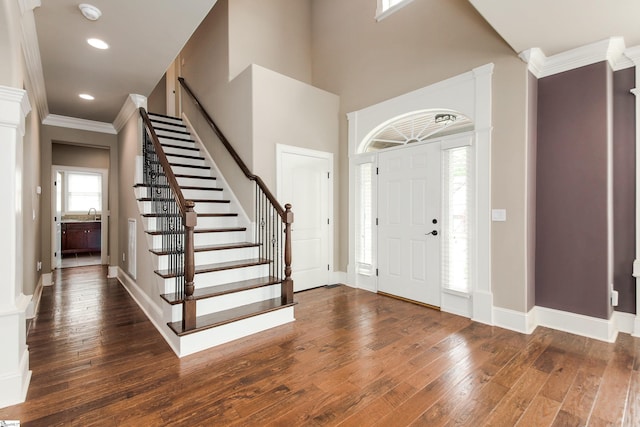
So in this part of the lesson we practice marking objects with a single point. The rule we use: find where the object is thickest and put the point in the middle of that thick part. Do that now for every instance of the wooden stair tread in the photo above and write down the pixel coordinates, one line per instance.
(198, 230)
(149, 199)
(164, 122)
(220, 266)
(184, 165)
(175, 138)
(182, 187)
(200, 215)
(224, 289)
(184, 156)
(207, 248)
(212, 320)
(164, 144)
(163, 115)
(158, 128)
(184, 175)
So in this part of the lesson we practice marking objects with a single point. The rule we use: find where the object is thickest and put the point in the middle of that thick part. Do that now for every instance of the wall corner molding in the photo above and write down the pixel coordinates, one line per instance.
(611, 50)
(130, 106)
(81, 124)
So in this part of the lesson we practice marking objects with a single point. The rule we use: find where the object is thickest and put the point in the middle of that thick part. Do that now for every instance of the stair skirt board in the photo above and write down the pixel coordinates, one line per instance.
(212, 278)
(224, 302)
(193, 343)
(213, 257)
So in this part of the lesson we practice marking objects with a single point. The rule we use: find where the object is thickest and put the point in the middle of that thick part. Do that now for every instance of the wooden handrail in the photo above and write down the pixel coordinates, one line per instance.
(189, 220)
(281, 211)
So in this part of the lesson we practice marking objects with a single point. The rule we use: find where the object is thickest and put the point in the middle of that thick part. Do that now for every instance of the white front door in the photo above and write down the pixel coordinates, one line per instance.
(305, 184)
(409, 210)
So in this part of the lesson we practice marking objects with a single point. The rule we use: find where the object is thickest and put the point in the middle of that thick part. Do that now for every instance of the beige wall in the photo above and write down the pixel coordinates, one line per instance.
(157, 100)
(273, 34)
(51, 134)
(365, 62)
(11, 72)
(81, 156)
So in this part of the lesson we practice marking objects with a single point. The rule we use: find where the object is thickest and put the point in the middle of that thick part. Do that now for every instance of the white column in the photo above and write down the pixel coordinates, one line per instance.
(14, 356)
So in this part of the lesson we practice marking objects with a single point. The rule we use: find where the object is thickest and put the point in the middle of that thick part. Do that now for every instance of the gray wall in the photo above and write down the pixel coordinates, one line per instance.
(157, 100)
(80, 156)
(624, 187)
(571, 215)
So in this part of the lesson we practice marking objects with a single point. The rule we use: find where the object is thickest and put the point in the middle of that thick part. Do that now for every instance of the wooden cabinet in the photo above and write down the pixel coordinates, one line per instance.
(78, 237)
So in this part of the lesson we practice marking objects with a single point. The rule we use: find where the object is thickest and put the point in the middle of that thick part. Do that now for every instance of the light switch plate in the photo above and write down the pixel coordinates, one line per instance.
(498, 214)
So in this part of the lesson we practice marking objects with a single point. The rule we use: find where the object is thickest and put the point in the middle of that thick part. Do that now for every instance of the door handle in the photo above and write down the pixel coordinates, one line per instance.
(433, 233)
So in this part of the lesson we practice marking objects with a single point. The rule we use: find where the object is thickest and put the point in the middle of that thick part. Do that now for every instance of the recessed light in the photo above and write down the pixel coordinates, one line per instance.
(98, 44)
(86, 96)
(89, 11)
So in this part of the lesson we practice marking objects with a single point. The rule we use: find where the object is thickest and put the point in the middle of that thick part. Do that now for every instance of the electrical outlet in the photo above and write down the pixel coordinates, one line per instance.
(39, 266)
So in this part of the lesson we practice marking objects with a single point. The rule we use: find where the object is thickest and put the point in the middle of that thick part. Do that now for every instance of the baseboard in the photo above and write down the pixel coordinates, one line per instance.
(112, 272)
(47, 279)
(586, 326)
(525, 323)
(338, 277)
(34, 303)
(14, 386)
(139, 296)
(482, 302)
(625, 322)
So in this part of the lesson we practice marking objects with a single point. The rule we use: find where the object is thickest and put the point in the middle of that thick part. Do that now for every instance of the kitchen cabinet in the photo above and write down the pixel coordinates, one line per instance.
(79, 237)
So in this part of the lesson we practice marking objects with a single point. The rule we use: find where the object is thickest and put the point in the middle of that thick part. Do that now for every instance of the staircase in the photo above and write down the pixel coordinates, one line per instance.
(238, 276)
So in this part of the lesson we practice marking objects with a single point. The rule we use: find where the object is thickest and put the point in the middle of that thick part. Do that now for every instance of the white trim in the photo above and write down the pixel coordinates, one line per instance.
(47, 279)
(130, 106)
(624, 322)
(525, 323)
(610, 50)
(383, 13)
(586, 326)
(34, 300)
(338, 277)
(82, 124)
(112, 272)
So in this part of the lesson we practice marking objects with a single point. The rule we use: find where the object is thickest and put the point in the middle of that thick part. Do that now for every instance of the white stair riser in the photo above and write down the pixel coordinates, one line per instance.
(176, 126)
(183, 161)
(162, 133)
(152, 223)
(180, 142)
(206, 239)
(146, 207)
(189, 194)
(223, 276)
(213, 257)
(193, 343)
(176, 120)
(229, 301)
(185, 170)
(197, 182)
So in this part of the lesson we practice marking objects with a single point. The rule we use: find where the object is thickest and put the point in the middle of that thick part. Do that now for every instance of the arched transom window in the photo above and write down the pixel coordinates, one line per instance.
(417, 127)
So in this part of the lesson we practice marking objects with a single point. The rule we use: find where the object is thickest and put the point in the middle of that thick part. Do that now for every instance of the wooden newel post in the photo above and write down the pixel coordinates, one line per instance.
(189, 304)
(287, 284)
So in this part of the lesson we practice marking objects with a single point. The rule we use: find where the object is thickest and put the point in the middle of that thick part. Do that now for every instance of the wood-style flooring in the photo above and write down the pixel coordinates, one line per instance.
(352, 358)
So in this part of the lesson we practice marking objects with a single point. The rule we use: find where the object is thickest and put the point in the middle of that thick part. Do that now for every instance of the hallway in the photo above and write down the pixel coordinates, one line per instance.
(351, 358)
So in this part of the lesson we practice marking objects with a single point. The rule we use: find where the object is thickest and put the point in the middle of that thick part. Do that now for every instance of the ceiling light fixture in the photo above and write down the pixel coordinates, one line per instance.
(90, 12)
(98, 44)
(86, 96)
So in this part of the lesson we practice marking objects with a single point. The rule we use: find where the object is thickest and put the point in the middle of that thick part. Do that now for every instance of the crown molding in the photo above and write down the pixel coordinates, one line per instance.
(33, 61)
(130, 106)
(82, 124)
(611, 50)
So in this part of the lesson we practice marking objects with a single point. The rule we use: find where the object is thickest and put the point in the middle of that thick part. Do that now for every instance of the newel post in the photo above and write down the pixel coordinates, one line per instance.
(189, 304)
(287, 284)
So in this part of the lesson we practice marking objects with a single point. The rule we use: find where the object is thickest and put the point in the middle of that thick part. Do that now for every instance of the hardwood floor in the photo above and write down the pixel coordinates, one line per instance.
(352, 358)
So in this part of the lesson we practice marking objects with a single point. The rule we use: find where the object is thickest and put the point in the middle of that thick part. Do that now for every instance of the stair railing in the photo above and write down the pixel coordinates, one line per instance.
(271, 219)
(175, 219)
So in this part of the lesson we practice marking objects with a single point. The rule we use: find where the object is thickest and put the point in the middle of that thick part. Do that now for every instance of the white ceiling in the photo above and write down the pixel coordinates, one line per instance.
(144, 37)
(560, 25)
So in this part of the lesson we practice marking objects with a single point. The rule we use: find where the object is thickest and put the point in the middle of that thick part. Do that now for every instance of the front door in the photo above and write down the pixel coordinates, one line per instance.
(409, 210)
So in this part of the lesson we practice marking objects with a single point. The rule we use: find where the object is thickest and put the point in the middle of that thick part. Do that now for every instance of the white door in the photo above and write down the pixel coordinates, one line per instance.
(409, 209)
(57, 252)
(305, 184)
